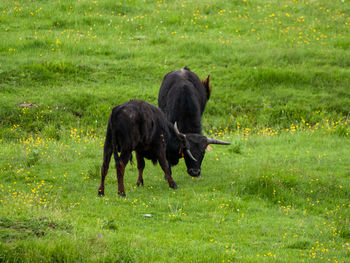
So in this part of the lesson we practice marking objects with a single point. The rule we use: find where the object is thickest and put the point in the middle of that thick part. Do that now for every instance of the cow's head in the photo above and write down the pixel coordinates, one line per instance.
(193, 147)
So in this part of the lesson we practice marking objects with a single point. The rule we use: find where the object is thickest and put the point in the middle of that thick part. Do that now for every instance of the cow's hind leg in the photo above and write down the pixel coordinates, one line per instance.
(140, 167)
(120, 164)
(107, 153)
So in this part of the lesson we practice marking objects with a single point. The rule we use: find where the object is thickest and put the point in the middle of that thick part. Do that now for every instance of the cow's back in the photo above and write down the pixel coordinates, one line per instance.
(137, 124)
(182, 97)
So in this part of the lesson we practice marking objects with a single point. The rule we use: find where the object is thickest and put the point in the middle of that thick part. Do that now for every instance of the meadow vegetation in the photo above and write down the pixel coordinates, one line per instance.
(280, 75)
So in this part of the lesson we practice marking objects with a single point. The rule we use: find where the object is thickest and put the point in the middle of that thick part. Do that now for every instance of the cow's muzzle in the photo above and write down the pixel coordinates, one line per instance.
(194, 172)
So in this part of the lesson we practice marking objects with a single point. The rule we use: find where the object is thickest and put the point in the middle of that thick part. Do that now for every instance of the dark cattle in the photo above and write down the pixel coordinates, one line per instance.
(141, 127)
(182, 97)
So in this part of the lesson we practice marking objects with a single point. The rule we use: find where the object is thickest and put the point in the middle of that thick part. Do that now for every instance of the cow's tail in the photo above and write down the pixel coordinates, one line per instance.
(108, 148)
(113, 145)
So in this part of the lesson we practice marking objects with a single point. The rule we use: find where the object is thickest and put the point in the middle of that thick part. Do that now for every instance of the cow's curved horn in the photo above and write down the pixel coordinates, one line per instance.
(215, 141)
(190, 155)
(176, 129)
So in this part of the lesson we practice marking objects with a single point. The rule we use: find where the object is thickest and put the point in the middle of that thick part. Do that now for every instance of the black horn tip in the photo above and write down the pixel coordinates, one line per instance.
(215, 141)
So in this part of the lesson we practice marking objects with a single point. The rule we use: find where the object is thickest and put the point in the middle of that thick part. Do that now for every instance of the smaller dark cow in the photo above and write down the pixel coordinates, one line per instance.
(182, 97)
(141, 127)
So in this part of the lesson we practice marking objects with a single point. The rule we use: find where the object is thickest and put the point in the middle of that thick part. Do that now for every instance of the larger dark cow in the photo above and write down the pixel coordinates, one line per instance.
(182, 97)
(141, 127)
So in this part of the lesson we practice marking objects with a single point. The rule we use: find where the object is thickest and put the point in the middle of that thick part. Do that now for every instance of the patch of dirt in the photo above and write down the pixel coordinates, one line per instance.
(27, 105)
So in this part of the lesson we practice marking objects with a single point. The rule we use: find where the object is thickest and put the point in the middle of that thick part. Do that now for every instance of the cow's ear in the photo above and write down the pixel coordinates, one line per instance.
(206, 85)
(209, 148)
(181, 136)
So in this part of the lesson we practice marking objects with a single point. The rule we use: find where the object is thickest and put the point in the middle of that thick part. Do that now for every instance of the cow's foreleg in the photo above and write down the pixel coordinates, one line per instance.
(164, 164)
(140, 167)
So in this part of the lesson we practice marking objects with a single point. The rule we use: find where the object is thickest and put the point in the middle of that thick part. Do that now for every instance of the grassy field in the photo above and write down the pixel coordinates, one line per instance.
(280, 75)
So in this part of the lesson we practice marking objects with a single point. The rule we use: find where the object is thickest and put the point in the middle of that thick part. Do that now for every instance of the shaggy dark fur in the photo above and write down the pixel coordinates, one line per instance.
(182, 97)
(141, 127)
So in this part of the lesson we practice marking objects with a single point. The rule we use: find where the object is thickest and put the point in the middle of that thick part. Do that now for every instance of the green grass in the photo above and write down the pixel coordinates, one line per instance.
(276, 197)
(280, 79)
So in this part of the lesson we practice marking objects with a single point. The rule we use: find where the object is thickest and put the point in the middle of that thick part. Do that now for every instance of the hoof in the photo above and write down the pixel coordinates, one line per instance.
(139, 184)
(122, 194)
(174, 186)
(100, 193)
